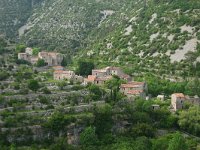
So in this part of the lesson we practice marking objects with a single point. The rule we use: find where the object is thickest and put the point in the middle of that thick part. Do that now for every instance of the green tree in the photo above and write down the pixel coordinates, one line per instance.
(3, 75)
(40, 63)
(114, 84)
(20, 48)
(88, 137)
(189, 120)
(33, 85)
(56, 122)
(142, 143)
(142, 129)
(85, 67)
(103, 120)
(65, 61)
(96, 92)
(177, 142)
(36, 51)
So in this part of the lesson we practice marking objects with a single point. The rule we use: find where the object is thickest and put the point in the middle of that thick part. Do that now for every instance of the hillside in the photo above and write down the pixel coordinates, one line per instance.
(159, 36)
(162, 38)
(65, 25)
(126, 74)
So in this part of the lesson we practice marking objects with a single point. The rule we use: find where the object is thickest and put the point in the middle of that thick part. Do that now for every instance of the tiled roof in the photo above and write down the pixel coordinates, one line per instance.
(134, 92)
(91, 78)
(180, 95)
(132, 84)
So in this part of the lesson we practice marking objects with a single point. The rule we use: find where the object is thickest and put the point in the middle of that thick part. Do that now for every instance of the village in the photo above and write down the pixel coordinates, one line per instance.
(52, 98)
(131, 89)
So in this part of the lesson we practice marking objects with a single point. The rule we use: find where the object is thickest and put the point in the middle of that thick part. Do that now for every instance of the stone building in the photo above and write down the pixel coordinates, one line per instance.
(155, 107)
(100, 76)
(96, 79)
(134, 89)
(194, 100)
(78, 78)
(52, 59)
(109, 71)
(61, 75)
(24, 56)
(34, 60)
(136, 93)
(177, 101)
(161, 97)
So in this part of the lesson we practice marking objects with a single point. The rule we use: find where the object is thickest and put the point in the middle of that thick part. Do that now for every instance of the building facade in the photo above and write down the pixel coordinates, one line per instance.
(61, 75)
(177, 101)
(134, 89)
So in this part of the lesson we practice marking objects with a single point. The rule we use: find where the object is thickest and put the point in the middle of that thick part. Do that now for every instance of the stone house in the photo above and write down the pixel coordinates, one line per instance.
(134, 89)
(90, 79)
(161, 97)
(100, 76)
(102, 80)
(132, 94)
(78, 78)
(61, 75)
(100, 72)
(96, 79)
(69, 75)
(33, 60)
(177, 101)
(195, 100)
(23, 56)
(124, 88)
(52, 59)
(108, 71)
(155, 107)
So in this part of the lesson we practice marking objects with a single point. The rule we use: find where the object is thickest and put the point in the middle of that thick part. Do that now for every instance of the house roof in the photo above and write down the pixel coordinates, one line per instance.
(91, 78)
(134, 92)
(132, 84)
(180, 95)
